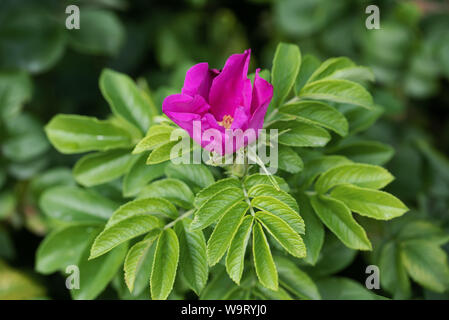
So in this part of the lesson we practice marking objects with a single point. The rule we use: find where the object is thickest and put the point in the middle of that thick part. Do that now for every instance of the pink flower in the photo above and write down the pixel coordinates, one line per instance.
(225, 101)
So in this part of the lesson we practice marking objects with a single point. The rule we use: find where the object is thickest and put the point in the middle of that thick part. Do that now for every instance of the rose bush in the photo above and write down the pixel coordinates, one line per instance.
(54, 70)
(187, 223)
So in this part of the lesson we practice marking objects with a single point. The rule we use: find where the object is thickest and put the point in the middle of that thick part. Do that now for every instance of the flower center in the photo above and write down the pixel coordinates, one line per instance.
(226, 122)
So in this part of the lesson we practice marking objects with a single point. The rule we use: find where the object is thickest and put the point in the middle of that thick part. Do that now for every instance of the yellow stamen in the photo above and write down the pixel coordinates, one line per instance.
(226, 122)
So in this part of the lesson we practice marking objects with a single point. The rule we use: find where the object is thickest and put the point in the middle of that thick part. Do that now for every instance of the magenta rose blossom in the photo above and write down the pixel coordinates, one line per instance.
(225, 101)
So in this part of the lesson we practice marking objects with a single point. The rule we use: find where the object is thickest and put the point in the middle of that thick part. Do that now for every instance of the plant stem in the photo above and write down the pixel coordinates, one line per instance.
(271, 115)
(262, 165)
(183, 216)
(275, 111)
(251, 209)
(310, 193)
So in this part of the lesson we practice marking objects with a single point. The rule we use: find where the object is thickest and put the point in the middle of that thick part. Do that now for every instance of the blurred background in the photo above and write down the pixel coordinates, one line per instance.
(46, 69)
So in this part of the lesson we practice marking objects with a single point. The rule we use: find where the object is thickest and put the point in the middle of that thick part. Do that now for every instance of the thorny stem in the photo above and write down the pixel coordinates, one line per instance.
(183, 216)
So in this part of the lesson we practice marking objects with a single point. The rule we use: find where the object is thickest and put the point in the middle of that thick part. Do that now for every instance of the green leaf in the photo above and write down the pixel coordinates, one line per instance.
(316, 166)
(157, 135)
(356, 74)
(194, 174)
(309, 64)
(314, 237)
(62, 247)
(361, 119)
(371, 203)
(330, 66)
(334, 257)
(339, 288)
(258, 178)
(266, 190)
(135, 132)
(295, 280)
(150, 206)
(16, 88)
(264, 74)
(97, 168)
(137, 258)
(427, 264)
(215, 188)
(302, 19)
(267, 294)
(193, 256)
(164, 265)
(438, 160)
(280, 209)
(423, 230)
(338, 218)
(300, 134)
(121, 231)
(58, 176)
(165, 152)
(235, 259)
(286, 65)
(263, 260)
(393, 275)
(317, 113)
(224, 232)
(362, 175)
(8, 203)
(283, 233)
(289, 160)
(341, 91)
(371, 152)
(73, 204)
(32, 39)
(140, 174)
(237, 293)
(101, 32)
(216, 207)
(26, 170)
(18, 285)
(125, 98)
(76, 134)
(219, 286)
(96, 274)
(25, 147)
(173, 190)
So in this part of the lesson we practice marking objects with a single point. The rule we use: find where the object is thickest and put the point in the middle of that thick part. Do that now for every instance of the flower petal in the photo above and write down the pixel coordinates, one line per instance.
(184, 109)
(209, 121)
(230, 88)
(262, 94)
(198, 80)
(240, 119)
(212, 134)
